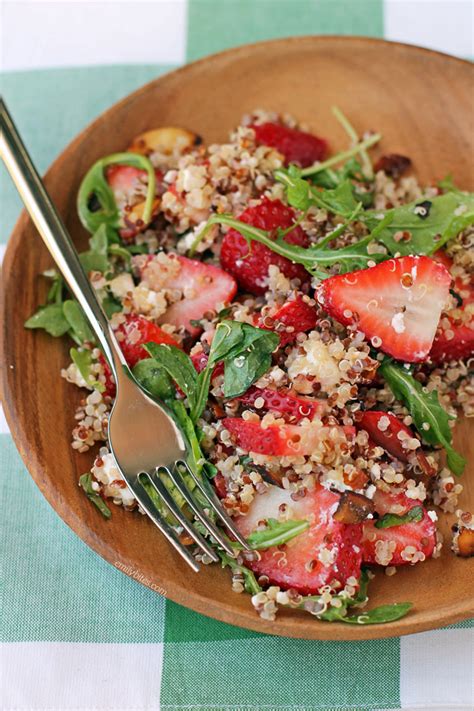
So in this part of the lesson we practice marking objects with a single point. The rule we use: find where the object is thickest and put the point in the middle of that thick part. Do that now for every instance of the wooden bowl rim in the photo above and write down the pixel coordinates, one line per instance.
(224, 611)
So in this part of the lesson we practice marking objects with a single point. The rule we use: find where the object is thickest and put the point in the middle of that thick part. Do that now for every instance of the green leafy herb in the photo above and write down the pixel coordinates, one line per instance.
(428, 231)
(83, 360)
(95, 185)
(314, 258)
(377, 616)
(389, 520)
(351, 132)
(276, 532)
(429, 417)
(85, 481)
(178, 365)
(95, 259)
(79, 326)
(154, 379)
(51, 318)
(343, 156)
(250, 582)
(111, 306)
(246, 352)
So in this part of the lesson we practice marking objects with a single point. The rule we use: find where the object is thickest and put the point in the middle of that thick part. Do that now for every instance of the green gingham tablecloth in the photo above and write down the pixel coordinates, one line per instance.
(77, 633)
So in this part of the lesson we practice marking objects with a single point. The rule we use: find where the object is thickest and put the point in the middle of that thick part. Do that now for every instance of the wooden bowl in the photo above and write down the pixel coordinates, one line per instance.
(421, 101)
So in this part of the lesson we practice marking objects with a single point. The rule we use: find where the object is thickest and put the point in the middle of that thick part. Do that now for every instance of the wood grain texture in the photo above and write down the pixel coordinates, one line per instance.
(422, 102)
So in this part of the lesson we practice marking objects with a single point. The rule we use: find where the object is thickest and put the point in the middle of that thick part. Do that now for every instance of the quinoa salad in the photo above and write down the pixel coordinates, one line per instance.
(307, 317)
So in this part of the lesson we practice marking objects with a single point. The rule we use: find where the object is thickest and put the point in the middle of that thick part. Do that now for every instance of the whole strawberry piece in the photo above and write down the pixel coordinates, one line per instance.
(398, 544)
(326, 552)
(298, 147)
(396, 304)
(249, 265)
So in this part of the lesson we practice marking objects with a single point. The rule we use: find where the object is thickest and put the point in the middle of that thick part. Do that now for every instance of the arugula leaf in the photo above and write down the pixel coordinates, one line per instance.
(154, 378)
(301, 194)
(250, 582)
(276, 532)
(95, 259)
(314, 258)
(367, 170)
(428, 231)
(51, 318)
(83, 360)
(343, 156)
(95, 184)
(111, 306)
(85, 481)
(377, 616)
(80, 328)
(389, 520)
(178, 365)
(429, 417)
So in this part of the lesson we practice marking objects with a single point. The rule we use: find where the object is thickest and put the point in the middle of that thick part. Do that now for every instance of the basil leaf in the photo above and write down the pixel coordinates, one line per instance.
(389, 520)
(95, 184)
(51, 318)
(85, 481)
(79, 325)
(429, 417)
(428, 232)
(178, 365)
(246, 352)
(379, 615)
(83, 361)
(154, 378)
(276, 532)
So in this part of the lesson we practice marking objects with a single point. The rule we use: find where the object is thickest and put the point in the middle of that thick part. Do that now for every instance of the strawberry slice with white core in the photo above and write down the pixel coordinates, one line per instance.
(291, 408)
(326, 552)
(402, 544)
(285, 440)
(201, 289)
(127, 184)
(396, 304)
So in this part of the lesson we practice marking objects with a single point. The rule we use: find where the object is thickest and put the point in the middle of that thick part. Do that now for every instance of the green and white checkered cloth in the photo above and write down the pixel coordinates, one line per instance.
(77, 634)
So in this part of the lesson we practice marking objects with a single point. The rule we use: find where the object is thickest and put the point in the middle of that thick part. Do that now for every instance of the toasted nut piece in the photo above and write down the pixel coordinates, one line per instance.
(164, 140)
(353, 508)
(465, 542)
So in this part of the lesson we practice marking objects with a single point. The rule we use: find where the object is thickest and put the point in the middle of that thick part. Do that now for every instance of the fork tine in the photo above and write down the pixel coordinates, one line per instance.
(177, 480)
(168, 500)
(168, 532)
(215, 504)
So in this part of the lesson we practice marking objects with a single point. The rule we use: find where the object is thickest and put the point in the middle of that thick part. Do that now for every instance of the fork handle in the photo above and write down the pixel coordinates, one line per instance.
(53, 231)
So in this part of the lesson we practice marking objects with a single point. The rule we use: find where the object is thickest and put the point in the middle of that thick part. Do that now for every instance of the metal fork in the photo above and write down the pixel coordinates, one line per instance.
(146, 442)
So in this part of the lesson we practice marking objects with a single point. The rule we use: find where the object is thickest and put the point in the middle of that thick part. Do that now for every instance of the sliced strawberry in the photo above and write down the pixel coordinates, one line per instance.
(131, 336)
(292, 318)
(204, 289)
(326, 552)
(384, 430)
(420, 535)
(396, 304)
(249, 265)
(297, 146)
(455, 335)
(200, 361)
(127, 185)
(293, 409)
(454, 342)
(283, 440)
